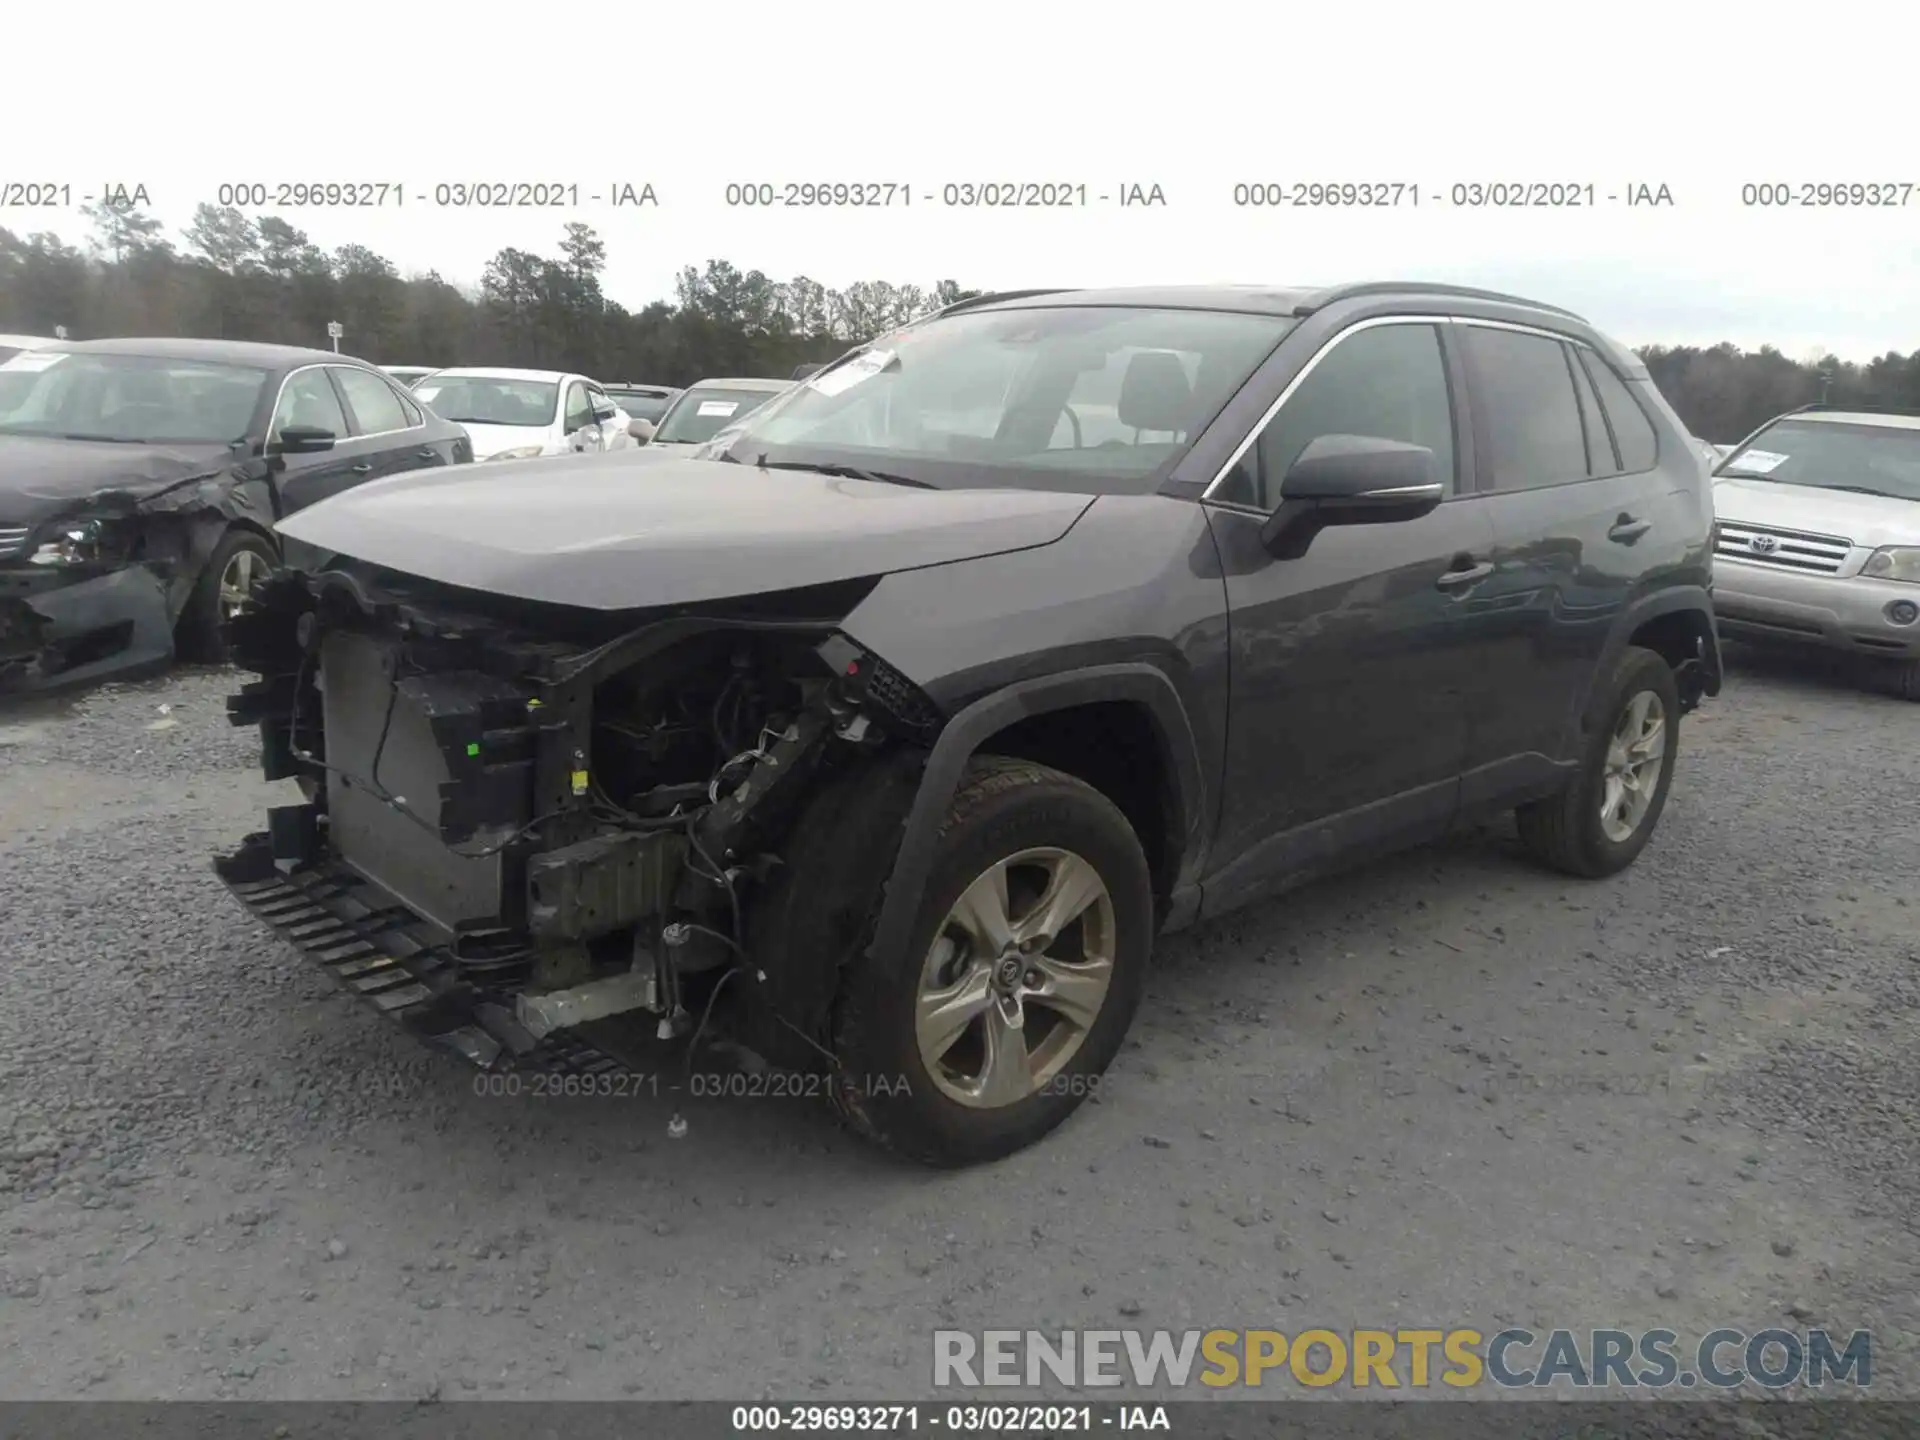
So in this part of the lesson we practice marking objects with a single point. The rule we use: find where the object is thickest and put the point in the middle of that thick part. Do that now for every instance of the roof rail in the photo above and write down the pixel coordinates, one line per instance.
(994, 296)
(1320, 299)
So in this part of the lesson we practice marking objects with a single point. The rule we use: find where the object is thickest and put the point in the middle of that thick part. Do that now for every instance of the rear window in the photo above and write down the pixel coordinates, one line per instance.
(1832, 455)
(704, 411)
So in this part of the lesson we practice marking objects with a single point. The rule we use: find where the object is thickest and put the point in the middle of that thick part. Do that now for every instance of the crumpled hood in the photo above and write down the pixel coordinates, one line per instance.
(1867, 520)
(42, 478)
(611, 532)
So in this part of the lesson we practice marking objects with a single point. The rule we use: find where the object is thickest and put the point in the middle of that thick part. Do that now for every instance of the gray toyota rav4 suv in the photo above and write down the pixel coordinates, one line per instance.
(888, 733)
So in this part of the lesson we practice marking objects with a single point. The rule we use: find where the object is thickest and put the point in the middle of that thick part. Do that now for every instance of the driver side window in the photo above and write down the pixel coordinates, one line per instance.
(579, 414)
(308, 399)
(1388, 382)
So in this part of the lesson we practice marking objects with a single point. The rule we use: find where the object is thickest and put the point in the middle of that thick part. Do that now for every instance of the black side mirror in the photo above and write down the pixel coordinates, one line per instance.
(603, 414)
(301, 440)
(1351, 480)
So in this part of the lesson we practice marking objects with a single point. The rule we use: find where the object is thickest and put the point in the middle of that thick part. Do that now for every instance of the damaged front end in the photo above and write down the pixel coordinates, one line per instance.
(526, 827)
(97, 588)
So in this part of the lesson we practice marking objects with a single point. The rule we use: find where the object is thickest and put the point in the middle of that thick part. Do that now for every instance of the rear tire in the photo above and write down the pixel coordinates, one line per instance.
(965, 1049)
(1601, 822)
(239, 562)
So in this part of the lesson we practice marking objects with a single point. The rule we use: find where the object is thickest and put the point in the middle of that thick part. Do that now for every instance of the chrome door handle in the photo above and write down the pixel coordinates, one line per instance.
(1456, 578)
(363, 468)
(425, 452)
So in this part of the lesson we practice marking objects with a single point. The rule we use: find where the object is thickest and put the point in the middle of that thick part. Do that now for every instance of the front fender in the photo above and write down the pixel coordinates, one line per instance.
(962, 736)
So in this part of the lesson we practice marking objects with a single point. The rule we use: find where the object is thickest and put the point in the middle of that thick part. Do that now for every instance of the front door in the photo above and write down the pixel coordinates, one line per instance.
(577, 420)
(308, 399)
(1347, 730)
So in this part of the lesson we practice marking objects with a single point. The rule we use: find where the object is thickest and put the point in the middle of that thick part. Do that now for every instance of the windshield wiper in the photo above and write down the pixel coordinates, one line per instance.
(847, 472)
(1861, 490)
(108, 439)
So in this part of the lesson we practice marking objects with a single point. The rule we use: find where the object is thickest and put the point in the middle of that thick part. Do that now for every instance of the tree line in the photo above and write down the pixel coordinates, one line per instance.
(235, 276)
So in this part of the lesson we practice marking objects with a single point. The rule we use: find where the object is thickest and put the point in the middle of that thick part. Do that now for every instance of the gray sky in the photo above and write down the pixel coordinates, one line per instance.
(1195, 98)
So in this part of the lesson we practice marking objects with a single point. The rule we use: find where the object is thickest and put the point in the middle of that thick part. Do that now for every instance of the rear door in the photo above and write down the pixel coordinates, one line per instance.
(1575, 503)
(389, 425)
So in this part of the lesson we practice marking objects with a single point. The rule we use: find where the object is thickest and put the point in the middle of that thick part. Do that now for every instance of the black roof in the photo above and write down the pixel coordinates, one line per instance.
(231, 352)
(1295, 301)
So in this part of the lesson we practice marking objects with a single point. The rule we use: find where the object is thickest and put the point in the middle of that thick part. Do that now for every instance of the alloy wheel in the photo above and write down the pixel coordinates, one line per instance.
(1636, 752)
(1016, 977)
(243, 572)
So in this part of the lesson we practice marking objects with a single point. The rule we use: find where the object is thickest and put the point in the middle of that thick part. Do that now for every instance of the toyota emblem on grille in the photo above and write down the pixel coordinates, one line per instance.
(1763, 544)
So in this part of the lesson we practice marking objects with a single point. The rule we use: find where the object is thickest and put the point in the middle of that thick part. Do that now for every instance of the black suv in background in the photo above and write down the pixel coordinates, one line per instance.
(903, 721)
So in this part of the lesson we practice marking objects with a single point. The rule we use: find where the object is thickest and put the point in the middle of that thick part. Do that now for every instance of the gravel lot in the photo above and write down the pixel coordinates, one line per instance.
(1449, 1089)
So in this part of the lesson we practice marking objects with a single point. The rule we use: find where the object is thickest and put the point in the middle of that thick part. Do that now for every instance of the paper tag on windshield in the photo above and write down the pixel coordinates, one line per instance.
(719, 407)
(845, 377)
(34, 360)
(428, 393)
(1759, 461)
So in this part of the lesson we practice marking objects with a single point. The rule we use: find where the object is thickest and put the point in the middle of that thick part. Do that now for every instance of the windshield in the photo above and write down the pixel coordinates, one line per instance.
(642, 404)
(702, 412)
(1832, 455)
(129, 398)
(491, 399)
(1077, 398)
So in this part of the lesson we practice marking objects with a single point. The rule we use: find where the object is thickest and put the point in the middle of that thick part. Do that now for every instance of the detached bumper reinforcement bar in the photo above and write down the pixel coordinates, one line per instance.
(356, 935)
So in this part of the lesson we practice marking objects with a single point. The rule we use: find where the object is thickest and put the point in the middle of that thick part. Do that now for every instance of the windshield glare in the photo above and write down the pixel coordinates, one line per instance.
(1826, 454)
(129, 398)
(491, 399)
(1069, 397)
(702, 412)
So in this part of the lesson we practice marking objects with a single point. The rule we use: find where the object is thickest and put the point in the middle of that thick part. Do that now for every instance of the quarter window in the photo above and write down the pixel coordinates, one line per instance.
(375, 404)
(1386, 382)
(1600, 457)
(308, 399)
(1524, 394)
(1632, 431)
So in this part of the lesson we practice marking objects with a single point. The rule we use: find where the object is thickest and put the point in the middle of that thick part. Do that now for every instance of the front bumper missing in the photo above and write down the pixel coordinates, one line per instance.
(381, 952)
(60, 629)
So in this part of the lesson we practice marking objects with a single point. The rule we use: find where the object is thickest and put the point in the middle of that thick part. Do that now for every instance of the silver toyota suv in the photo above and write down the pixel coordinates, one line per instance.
(1819, 537)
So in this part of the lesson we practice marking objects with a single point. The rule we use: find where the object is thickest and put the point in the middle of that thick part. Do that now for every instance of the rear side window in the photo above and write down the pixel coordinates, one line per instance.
(376, 404)
(1632, 431)
(1523, 391)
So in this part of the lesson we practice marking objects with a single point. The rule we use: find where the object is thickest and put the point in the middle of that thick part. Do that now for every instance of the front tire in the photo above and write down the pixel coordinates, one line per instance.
(1601, 822)
(1027, 963)
(1905, 680)
(240, 561)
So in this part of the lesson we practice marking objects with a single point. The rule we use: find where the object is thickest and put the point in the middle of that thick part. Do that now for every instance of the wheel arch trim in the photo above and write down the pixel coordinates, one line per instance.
(963, 735)
(1668, 600)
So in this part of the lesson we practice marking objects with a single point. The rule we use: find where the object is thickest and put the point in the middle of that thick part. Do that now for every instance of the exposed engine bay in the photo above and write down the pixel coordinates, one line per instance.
(523, 821)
